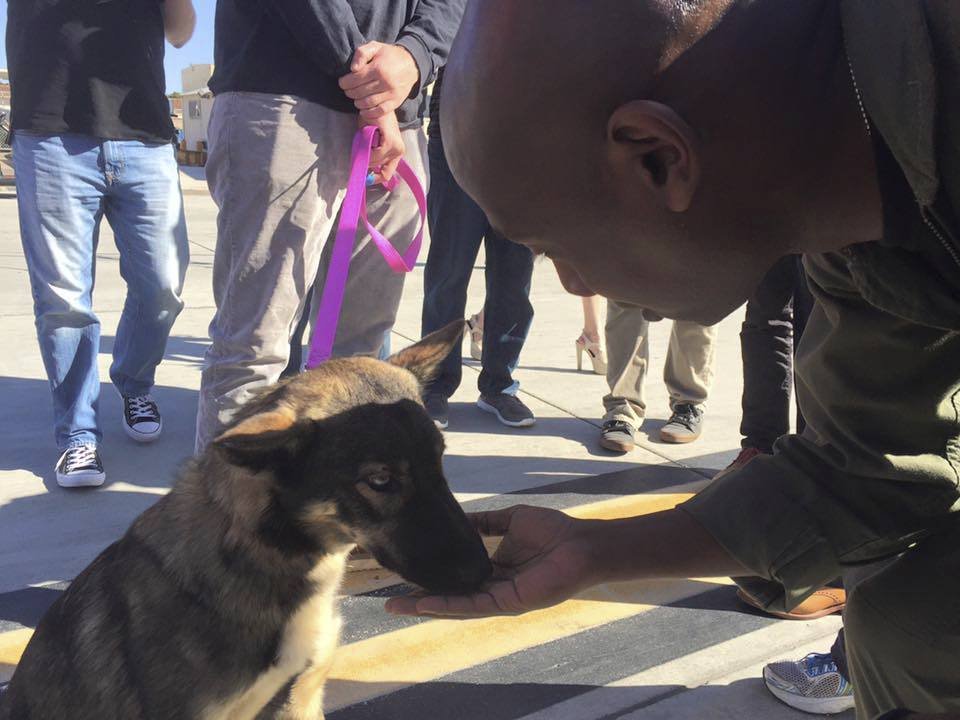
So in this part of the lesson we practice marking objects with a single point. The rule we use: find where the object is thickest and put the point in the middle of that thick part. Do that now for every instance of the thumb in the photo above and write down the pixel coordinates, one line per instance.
(492, 522)
(363, 55)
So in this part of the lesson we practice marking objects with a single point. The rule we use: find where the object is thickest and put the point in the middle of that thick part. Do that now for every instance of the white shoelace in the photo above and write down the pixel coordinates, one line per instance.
(142, 408)
(80, 457)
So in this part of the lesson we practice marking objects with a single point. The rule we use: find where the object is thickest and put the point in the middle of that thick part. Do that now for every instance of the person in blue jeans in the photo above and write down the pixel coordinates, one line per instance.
(457, 226)
(93, 138)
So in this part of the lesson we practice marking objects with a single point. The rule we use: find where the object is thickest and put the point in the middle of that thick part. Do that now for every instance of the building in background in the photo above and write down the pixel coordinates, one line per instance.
(4, 90)
(196, 115)
(196, 101)
(196, 77)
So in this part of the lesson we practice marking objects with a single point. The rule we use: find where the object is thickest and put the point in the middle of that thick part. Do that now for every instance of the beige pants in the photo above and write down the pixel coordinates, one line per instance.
(687, 373)
(278, 169)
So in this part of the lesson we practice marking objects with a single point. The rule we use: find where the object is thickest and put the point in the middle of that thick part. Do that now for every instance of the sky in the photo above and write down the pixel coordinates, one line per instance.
(199, 50)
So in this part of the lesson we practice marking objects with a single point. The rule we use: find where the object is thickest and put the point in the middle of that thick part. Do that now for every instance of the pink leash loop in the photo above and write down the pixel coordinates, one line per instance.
(355, 207)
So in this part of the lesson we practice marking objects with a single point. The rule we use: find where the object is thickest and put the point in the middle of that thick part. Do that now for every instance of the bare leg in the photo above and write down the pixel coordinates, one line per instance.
(589, 340)
(591, 317)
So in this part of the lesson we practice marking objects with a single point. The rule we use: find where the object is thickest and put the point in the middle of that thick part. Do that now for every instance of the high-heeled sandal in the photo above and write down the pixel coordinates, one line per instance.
(476, 336)
(598, 358)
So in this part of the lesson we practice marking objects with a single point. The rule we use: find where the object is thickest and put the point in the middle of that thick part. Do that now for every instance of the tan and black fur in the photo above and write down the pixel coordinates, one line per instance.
(220, 600)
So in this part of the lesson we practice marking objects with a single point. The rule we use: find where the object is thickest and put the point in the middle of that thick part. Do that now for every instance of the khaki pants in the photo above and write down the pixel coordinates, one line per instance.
(688, 371)
(278, 169)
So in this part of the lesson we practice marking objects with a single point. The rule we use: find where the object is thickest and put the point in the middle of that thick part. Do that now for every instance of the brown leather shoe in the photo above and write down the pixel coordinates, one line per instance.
(825, 601)
(745, 456)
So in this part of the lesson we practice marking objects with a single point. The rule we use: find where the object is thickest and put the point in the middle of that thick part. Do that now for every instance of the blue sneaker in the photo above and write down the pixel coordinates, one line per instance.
(812, 685)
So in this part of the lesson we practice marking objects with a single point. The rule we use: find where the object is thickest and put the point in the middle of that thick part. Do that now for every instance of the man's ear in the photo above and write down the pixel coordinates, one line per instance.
(649, 142)
(423, 358)
(260, 435)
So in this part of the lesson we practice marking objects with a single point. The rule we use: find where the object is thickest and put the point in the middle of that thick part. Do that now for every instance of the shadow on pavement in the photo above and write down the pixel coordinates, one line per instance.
(509, 701)
(179, 347)
(27, 442)
(543, 476)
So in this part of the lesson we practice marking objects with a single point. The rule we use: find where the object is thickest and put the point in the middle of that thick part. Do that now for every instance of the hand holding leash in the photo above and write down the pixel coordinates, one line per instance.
(388, 149)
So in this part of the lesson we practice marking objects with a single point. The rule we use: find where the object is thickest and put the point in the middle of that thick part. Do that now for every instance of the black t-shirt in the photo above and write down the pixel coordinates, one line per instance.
(89, 67)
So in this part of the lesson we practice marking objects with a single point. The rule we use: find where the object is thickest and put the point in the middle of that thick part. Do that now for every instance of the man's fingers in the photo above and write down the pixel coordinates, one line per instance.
(373, 85)
(377, 112)
(493, 522)
(404, 605)
(446, 606)
(389, 168)
(364, 54)
(385, 154)
(357, 78)
(367, 102)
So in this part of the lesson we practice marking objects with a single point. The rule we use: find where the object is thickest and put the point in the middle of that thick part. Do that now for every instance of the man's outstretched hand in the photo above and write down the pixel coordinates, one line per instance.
(381, 77)
(545, 558)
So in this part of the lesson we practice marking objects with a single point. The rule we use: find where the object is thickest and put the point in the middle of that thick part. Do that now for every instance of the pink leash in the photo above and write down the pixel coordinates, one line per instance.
(355, 207)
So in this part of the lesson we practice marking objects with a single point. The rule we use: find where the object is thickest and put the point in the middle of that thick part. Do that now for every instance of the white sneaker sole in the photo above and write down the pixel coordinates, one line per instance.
(814, 706)
(487, 407)
(87, 478)
(139, 436)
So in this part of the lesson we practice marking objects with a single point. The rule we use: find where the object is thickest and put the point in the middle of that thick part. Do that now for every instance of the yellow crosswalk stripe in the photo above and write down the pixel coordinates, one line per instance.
(392, 661)
(12, 645)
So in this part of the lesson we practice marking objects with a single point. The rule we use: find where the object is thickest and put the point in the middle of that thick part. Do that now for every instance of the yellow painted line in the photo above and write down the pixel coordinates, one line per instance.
(12, 645)
(395, 660)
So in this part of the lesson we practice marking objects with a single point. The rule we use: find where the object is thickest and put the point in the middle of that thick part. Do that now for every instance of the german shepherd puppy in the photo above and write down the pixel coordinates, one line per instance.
(220, 600)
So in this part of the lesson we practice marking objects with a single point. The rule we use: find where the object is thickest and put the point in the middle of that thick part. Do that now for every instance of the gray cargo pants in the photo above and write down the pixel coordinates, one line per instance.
(277, 170)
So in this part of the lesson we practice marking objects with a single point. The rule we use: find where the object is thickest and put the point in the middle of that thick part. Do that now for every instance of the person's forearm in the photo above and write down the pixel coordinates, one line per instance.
(429, 34)
(668, 544)
(179, 21)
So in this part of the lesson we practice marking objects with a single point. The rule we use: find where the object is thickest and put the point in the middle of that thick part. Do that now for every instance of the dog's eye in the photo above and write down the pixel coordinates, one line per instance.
(381, 482)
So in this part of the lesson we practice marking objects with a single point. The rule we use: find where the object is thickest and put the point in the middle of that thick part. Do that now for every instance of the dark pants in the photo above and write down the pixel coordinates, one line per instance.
(776, 315)
(457, 226)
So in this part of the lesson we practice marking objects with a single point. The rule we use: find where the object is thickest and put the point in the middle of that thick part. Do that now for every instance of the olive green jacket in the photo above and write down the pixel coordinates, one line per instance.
(878, 369)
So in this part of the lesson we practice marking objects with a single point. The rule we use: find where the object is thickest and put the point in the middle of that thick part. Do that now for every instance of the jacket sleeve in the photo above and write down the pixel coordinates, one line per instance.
(326, 30)
(877, 468)
(429, 34)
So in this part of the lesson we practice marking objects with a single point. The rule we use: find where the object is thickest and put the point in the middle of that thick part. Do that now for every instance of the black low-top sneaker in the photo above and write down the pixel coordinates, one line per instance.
(508, 408)
(684, 425)
(80, 466)
(438, 408)
(141, 418)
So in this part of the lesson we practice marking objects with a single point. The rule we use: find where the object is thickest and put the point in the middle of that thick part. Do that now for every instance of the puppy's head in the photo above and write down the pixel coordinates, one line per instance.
(351, 455)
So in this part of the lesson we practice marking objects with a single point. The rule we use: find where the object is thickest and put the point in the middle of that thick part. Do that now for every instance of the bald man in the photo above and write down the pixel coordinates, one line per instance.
(669, 161)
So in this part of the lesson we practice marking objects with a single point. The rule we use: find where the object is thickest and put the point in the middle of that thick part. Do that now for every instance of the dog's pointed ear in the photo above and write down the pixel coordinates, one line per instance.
(261, 434)
(423, 358)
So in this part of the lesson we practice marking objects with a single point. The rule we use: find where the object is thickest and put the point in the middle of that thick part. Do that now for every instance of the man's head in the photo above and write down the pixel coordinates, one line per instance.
(646, 146)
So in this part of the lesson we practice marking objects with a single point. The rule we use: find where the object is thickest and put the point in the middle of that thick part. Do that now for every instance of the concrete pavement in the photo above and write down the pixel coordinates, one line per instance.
(644, 651)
